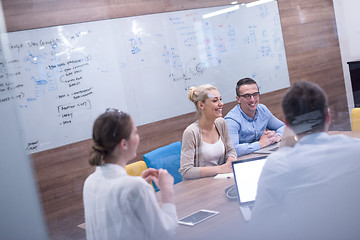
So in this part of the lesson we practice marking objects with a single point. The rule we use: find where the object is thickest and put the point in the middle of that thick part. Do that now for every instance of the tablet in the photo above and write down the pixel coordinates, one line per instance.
(197, 217)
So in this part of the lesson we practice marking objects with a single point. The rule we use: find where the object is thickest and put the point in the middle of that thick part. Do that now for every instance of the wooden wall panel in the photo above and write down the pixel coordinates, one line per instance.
(45, 13)
(312, 50)
(313, 53)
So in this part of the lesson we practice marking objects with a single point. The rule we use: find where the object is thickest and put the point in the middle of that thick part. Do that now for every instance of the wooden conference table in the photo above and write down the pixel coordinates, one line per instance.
(209, 193)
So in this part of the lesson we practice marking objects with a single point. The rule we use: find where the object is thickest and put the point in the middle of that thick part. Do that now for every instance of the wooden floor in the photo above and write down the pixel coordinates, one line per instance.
(66, 227)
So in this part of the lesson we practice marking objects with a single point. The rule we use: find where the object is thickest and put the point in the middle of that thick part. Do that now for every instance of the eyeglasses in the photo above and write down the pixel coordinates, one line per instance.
(117, 118)
(249, 95)
(112, 110)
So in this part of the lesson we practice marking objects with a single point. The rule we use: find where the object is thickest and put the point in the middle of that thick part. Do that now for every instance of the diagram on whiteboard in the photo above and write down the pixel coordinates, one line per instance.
(61, 78)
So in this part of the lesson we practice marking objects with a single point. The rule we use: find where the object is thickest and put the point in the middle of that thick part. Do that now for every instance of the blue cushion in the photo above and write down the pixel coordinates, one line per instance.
(167, 157)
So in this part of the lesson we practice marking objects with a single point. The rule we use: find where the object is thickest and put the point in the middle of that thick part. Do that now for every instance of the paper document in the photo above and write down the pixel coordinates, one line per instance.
(224, 175)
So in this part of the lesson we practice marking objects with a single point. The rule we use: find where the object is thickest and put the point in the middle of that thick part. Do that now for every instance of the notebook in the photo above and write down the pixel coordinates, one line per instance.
(269, 149)
(246, 175)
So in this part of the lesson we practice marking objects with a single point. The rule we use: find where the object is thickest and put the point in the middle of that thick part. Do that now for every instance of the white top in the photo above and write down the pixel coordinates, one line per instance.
(118, 206)
(311, 190)
(212, 152)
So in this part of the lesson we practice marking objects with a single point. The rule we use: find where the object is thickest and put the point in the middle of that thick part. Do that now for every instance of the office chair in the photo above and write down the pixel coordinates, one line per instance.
(136, 168)
(167, 157)
(355, 119)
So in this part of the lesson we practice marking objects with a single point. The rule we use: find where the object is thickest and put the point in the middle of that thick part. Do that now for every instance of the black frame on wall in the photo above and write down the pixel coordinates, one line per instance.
(354, 68)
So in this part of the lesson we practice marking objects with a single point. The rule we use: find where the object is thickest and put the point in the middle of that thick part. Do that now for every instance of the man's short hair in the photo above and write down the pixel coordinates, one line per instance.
(244, 81)
(305, 107)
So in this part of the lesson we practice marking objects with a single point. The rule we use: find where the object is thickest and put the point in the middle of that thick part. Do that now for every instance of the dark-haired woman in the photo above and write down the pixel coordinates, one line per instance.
(119, 206)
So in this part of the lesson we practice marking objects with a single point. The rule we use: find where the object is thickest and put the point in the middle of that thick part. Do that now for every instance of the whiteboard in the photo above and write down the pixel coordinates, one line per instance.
(63, 77)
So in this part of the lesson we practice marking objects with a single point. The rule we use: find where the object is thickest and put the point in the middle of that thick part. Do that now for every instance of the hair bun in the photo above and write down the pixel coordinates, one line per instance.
(192, 93)
(99, 149)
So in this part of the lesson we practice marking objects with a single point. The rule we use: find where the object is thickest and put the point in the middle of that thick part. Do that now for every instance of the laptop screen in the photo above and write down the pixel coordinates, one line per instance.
(246, 174)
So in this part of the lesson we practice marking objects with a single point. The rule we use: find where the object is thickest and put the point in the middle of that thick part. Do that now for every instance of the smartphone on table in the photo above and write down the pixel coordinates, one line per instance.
(197, 217)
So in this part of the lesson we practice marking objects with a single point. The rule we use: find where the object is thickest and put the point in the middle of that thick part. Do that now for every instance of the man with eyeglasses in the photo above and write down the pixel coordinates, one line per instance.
(251, 125)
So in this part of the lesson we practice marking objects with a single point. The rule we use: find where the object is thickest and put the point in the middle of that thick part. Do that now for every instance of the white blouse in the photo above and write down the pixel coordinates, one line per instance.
(119, 206)
(212, 152)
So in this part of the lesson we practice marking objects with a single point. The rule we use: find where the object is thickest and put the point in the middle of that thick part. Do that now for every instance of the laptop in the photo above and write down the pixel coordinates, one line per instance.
(269, 149)
(246, 175)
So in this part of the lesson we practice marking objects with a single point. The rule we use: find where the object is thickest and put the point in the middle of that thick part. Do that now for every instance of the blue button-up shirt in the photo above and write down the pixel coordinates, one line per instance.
(245, 132)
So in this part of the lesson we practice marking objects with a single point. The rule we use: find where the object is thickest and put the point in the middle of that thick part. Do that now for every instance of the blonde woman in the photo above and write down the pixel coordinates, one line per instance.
(206, 145)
